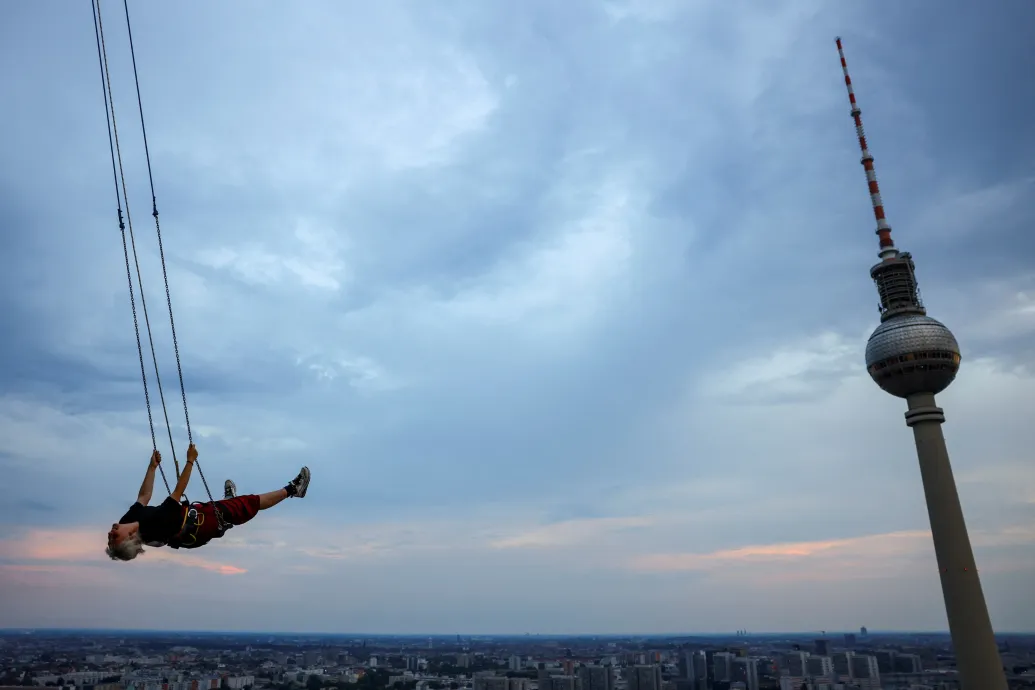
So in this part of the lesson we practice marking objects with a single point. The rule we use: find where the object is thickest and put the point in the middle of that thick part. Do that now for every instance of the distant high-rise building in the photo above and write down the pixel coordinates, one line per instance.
(722, 664)
(819, 666)
(745, 670)
(907, 663)
(550, 682)
(842, 664)
(863, 632)
(643, 677)
(885, 659)
(849, 640)
(864, 667)
(795, 664)
(515, 663)
(693, 666)
(596, 678)
(822, 646)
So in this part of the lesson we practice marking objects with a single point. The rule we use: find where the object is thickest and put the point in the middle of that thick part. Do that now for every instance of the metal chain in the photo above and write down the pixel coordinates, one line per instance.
(116, 151)
(161, 249)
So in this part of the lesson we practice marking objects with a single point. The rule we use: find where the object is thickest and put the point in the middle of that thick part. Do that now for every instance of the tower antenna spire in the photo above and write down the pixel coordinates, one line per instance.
(887, 245)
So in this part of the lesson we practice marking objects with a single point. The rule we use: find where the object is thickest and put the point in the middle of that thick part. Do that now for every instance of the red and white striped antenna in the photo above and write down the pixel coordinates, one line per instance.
(887, 246)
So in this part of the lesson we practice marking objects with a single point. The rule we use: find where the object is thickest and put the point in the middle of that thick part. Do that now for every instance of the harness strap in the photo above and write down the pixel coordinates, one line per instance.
(193, 519)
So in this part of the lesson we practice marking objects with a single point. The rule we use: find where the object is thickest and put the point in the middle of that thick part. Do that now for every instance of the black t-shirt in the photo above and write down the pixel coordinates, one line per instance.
(157, 523)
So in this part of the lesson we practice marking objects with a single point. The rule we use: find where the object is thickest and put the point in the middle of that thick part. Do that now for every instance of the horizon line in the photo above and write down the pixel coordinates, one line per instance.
(732, 634)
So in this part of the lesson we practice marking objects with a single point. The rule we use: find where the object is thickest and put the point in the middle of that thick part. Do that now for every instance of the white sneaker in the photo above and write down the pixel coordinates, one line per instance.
(301, 483)
(229, 489)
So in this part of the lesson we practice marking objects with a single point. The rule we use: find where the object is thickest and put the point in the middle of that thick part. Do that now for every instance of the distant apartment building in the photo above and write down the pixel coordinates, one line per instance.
(596, 678)
(891, 661)
(547, 681)
(822, 647)
(745, 670)
(643, 677)
(208, 683)
(693, 668)
(819, 666)
(794, 664)
(514, 664)
(885, 659)
(811, 670)
(722, 667)
(842, 664)
(76, 678)
(907, 663)
(865, 672)
(491, 683)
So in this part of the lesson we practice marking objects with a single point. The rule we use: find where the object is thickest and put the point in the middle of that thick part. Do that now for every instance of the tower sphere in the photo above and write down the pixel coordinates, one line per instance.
(912, 353)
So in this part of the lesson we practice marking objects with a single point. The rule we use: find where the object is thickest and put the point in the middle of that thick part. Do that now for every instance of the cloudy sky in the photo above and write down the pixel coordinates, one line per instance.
(563, 303)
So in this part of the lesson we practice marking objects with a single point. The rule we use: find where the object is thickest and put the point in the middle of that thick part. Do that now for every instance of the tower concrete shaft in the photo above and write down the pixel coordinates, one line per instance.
(977, 655)
(913, 356)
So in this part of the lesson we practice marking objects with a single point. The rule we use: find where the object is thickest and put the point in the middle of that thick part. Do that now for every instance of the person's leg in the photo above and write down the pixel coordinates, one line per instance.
(240, 509)
(268, 500)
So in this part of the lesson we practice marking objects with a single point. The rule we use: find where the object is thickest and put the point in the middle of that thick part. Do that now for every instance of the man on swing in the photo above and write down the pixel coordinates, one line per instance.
(184, 526)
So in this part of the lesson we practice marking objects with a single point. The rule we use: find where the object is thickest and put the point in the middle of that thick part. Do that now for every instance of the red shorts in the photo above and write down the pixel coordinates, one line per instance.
(234, 511)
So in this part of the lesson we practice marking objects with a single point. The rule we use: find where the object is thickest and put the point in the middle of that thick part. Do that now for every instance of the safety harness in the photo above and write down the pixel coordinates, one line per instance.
(193, 519)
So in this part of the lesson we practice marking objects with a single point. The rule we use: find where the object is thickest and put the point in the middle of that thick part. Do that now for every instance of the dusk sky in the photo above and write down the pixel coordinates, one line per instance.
(563, 303)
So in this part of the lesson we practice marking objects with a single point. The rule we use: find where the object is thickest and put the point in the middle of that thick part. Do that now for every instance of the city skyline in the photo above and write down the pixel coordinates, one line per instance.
(164, 661)
(515, 304)
(718, 636)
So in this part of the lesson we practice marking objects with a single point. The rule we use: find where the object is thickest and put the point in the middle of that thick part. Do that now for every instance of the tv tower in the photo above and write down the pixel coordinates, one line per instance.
(912, 356)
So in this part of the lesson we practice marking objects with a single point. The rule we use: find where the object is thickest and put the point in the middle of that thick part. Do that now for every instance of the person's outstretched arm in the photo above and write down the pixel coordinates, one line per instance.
(148, 485)
(181, 485)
